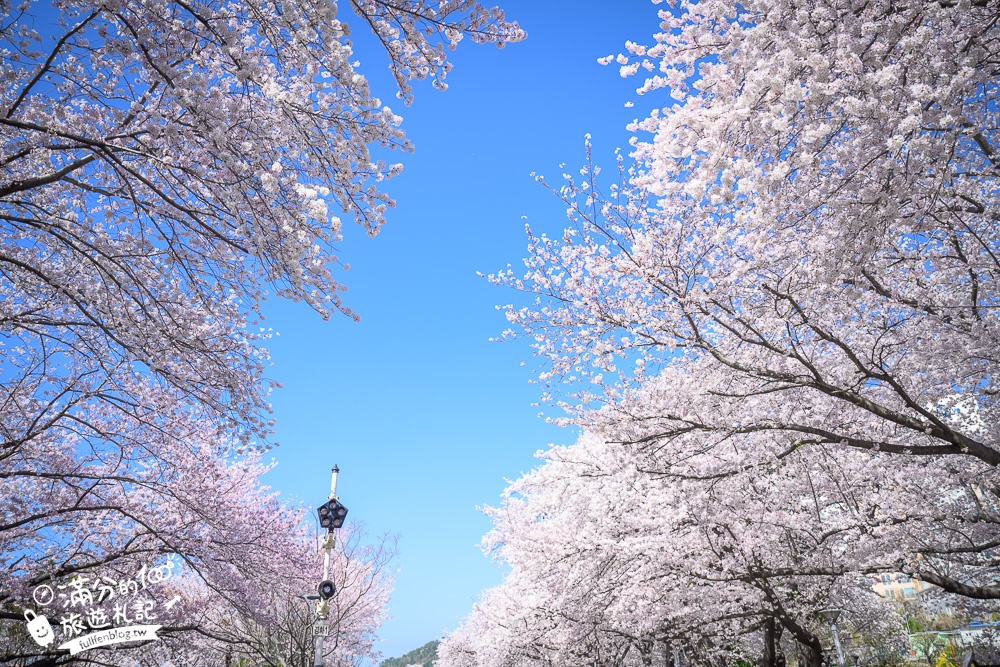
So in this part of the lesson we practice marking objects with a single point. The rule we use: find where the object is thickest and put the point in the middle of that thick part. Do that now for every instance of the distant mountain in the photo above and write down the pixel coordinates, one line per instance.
(423, 656)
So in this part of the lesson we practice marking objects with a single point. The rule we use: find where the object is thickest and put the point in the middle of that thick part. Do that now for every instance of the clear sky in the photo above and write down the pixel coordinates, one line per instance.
(425, 416)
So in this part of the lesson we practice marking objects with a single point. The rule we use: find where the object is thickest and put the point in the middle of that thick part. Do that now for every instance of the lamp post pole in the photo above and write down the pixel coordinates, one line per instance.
(331, 517)
(832, 615)
(836, 642)
(328, 541)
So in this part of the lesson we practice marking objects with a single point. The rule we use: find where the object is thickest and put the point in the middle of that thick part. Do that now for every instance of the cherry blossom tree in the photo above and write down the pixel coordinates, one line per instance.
(167, 165)
(282, 631)
(805, 250)
(607, 559)
(778, 329)
(103, 520)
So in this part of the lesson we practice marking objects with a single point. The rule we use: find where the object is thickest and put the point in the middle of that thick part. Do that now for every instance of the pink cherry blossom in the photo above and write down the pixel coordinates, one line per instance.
(167, 166)
(777, 329)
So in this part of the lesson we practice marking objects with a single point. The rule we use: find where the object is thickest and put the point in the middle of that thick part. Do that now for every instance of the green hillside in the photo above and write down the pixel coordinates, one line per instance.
(425, 656)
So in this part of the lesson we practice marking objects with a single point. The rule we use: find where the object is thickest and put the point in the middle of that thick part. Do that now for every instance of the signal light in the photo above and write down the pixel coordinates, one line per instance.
(326, 589)
(331, 515)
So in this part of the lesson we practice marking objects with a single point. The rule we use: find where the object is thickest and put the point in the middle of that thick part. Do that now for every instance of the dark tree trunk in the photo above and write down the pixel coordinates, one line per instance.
(811, 654)
(646, 652)
(772, 644)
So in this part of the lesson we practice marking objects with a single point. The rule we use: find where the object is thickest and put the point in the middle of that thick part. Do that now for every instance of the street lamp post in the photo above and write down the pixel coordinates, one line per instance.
(308, 599)
(831, 615)
(331, 516)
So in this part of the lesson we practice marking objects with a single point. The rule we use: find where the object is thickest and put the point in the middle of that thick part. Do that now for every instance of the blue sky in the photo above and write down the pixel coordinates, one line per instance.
(426, 417)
